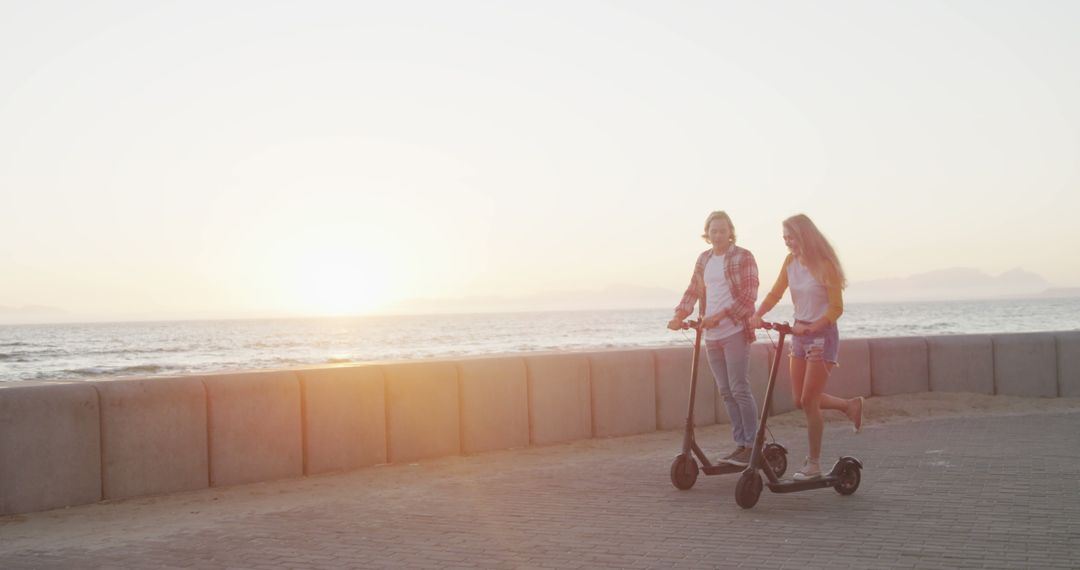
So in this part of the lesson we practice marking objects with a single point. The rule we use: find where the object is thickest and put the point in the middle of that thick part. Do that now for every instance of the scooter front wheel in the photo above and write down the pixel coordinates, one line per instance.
(748, 489)
(684, 471)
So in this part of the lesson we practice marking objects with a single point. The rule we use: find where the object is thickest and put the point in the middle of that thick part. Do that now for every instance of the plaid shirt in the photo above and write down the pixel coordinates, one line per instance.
(741, 271)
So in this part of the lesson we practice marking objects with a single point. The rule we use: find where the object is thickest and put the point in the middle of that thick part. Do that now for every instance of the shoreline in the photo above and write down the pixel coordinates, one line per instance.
(331, 362)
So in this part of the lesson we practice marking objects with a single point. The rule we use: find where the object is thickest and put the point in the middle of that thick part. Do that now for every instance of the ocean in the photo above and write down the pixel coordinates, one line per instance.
(103, 350)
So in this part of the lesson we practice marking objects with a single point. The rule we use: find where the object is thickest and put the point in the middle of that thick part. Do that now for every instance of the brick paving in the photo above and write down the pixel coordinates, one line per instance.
(978, 492)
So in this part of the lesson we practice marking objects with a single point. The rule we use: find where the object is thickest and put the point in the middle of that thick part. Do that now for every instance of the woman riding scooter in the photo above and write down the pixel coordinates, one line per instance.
(813, 273)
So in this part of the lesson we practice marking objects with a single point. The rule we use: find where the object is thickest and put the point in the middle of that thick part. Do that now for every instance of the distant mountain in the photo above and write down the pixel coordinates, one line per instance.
(32, 314)
(956, 283)
(1057, 292)
(950, 284)
(945, 284)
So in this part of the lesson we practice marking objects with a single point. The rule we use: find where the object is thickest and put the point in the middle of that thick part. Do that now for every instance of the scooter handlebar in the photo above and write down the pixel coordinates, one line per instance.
(683, 325)
(783, 328)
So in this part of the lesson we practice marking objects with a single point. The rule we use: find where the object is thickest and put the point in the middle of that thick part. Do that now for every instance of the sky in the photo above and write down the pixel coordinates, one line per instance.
(219, 158)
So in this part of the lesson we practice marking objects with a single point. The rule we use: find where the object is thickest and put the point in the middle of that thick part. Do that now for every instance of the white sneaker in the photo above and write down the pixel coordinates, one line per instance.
(811, 469)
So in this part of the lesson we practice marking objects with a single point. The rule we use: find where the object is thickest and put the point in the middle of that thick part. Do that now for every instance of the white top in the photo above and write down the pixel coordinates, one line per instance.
(809, 295)
(718, 297)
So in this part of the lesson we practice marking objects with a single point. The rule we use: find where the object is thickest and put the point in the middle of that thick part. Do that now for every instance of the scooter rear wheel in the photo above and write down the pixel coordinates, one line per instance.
(776, 457)
(850, 477)
(684, 471)
(748, 489)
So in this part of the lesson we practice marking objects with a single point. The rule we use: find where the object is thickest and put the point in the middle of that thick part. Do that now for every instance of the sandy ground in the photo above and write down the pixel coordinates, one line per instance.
(107, 524)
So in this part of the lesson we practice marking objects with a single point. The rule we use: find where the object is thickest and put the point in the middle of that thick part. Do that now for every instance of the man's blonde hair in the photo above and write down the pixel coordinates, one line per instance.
(718, 215)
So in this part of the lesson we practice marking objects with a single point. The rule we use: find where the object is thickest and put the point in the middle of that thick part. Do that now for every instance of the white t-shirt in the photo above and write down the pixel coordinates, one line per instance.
(809, 296)
(717, 298)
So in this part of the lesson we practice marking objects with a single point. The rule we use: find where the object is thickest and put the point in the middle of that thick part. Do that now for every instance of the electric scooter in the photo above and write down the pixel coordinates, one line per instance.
(844, 476)
(684, 469)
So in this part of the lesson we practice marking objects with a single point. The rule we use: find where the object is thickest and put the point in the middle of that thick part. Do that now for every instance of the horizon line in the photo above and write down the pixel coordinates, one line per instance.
(269, 315)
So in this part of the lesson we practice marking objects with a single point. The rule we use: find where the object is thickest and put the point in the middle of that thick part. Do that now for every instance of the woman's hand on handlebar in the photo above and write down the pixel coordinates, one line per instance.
(675, 324)
(755, 322)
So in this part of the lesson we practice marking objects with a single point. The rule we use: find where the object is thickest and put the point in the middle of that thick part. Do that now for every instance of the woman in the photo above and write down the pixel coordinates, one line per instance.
(725, 280)
(815, 277)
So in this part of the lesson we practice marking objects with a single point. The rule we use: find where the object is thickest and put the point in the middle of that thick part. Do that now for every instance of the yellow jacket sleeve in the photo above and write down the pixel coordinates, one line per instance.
(836, 298)
(778, 288)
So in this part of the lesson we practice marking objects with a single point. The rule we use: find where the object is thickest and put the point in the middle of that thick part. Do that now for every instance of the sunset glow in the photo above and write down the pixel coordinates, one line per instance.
(345, 159)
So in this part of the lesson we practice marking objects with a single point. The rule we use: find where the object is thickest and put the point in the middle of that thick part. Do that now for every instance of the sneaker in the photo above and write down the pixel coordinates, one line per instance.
(854, 413)
(733, 453)
(811, 469)
(740, 457)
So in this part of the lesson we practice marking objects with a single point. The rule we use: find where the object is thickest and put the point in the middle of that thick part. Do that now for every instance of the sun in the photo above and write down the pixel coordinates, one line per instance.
(341, 283)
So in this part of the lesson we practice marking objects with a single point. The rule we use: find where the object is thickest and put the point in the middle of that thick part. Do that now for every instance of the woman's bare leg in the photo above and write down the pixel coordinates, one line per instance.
(797, 368)
(828, 402)
(817, 373)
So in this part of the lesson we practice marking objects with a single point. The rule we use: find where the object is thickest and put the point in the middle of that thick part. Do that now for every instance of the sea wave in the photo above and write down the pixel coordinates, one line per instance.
(30, 355)
(129, 350)
(95, 371)
(263, 344)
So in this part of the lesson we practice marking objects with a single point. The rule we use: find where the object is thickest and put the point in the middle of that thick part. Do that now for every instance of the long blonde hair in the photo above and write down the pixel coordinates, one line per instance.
(817, 254)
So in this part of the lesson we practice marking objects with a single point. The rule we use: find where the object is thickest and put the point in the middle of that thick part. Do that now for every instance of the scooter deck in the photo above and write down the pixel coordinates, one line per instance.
(722, 469)
(793, 486)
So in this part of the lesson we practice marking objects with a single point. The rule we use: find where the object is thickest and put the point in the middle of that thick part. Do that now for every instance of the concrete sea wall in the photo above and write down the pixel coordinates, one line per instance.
(64, 444)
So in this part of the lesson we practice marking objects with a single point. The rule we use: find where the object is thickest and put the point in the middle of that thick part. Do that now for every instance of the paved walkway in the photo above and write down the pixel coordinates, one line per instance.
(986, 492)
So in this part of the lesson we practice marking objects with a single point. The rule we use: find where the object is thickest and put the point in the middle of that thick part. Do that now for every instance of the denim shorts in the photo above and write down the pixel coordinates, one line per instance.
(821, 345)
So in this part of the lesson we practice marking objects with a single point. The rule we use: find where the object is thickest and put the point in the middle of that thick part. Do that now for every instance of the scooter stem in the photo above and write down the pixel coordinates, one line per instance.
(757, 456)
(688, 434)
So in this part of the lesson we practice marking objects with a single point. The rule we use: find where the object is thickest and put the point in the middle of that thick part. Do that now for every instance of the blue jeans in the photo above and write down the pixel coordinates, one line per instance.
(729, 358)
